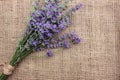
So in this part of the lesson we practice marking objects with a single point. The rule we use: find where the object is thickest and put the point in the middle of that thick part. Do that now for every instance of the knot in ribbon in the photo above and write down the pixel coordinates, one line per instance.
(7, 68)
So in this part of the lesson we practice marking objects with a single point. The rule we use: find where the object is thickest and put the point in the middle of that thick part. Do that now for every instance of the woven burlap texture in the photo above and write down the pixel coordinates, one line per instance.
(95, 58)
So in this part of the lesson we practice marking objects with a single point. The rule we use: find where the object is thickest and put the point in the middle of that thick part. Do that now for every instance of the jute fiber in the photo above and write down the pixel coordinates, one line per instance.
(95, 58)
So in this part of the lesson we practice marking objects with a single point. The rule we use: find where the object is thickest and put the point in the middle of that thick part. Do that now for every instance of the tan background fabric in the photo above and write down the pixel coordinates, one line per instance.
(96, 58)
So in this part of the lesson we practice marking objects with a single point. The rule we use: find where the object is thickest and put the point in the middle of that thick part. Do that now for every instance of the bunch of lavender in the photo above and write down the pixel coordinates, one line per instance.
(45, 25)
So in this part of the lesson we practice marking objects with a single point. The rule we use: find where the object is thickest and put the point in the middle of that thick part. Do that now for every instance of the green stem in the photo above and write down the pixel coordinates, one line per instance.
(3, 76)
(26, 53)
(21, 55)
(17, 54)
(18, 50)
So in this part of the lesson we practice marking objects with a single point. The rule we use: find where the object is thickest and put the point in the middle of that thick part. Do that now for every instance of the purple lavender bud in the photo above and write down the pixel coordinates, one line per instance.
(49, 53)
(32, 22)
(43, 18)
(57, 44)
(46, 42)
(33, 15)
(77, 7)
(57, 31)
(62, 26)
(38, 19)
(49, 35)
(73, 35)
(37, 24)
(40, 12)
(34, 43)
(63, 37)
(40, 24)
(41, 30)
(54, 26)
(37, 3)
(53, 19)
(47, 25)
(51, 46)
(66, 44)
(76, 41)
(81, 5)
(49, 14)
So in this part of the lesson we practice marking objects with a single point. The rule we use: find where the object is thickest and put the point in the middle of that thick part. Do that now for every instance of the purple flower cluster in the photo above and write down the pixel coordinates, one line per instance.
(45, 25)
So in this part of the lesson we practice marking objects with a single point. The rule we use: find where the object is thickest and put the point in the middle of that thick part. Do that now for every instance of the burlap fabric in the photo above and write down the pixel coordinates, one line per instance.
(96, 58)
